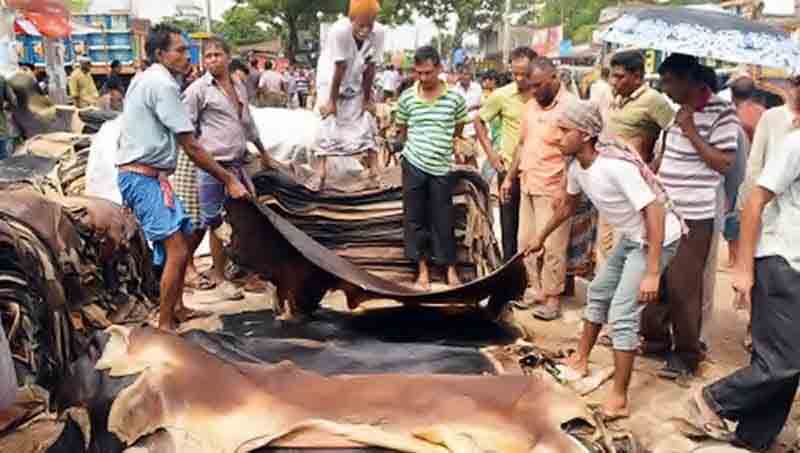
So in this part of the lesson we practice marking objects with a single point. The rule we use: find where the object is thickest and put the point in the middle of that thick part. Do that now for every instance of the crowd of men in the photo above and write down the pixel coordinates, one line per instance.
(669, 172)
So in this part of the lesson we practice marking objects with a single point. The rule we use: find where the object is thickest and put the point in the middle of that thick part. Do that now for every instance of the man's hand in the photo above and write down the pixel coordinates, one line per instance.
(533, 247)
(328, 109)
(235, 188)
(743, 286)
(648, 289)
(496, 161)
(685, 120)
(267, 162)
(505, 190)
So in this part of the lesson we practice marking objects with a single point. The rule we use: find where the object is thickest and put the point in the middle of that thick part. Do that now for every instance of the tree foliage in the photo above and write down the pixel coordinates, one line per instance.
(241, 25)
(184, 25)
(77, 6)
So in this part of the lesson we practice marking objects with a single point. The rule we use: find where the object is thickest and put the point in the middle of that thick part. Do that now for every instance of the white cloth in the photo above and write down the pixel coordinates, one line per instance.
(101, 168)
(353, 130)
(780, 232)
(340, 46)
(620, 193)
(472, 97)
(390, 81)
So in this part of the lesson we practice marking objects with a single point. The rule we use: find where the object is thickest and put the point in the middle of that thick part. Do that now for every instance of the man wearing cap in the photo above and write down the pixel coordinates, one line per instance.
(82, 89)
(630, 196)
(346, 71)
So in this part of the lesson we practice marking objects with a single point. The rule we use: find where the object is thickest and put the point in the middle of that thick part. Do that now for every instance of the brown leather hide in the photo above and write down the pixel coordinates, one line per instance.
(211, 405)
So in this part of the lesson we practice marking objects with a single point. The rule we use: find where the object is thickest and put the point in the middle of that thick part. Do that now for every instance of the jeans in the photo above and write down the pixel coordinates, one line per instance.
(4, 145)
(760, 396)
(613, 296)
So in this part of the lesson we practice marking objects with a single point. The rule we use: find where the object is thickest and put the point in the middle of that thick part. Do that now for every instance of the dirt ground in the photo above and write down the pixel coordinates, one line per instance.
(654, 401)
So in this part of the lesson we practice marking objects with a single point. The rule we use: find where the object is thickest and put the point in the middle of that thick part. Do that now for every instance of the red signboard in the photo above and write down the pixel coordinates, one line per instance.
(547, 41)
(51, 17)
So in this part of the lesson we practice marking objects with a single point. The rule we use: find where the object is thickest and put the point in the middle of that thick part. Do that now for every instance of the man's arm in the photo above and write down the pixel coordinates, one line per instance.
(482, 133)
(205, 162)
(748, 241)
(714, 157)
(655, 218)
(561, 213)
(340, 69)
(755, 163)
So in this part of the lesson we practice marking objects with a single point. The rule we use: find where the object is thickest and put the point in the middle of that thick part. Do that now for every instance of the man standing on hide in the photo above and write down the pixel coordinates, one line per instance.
(154, 122)
(429, 115)
(347, 66)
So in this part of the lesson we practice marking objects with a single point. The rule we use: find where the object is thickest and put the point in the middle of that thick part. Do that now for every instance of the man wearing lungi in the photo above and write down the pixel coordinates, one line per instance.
(346, 71)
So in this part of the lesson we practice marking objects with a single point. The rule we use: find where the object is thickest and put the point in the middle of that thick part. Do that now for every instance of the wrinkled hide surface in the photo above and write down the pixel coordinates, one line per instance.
(284, 406)
(303, 270)
(68, 266)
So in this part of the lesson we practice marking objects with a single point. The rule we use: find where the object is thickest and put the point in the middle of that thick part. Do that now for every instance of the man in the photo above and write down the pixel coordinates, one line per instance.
(271, 89)
(290, 83)
(429, 115)
(627, 193)
(253, 79)
(636, 115)
(346, 72)
(472, 93)
(82, 89)
(698, 151)
(760, 396)
(239, 71)
(113, 96)
(220, 113)
(540, 166)
(747, 109)
(114, 77)
(507, 104)
(8, 100)
(154, 122)
(390, 81)
(303, 88)
(601, 93)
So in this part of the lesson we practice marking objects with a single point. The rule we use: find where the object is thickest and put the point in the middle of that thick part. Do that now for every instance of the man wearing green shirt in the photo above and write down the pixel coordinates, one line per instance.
(429, 116)
(508, 104)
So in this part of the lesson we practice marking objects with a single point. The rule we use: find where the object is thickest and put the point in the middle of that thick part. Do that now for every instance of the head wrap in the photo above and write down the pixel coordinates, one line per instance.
(583, 116)
(360, 7)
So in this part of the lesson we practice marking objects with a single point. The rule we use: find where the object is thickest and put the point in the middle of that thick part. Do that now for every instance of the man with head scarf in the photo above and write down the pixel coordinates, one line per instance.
(629, 195)
(350, 52)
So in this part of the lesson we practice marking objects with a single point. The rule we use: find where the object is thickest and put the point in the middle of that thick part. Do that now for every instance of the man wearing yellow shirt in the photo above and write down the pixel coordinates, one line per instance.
(507, 103)
(82, 89)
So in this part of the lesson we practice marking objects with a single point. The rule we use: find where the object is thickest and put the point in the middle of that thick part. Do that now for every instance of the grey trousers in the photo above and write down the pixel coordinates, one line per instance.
(760, 396)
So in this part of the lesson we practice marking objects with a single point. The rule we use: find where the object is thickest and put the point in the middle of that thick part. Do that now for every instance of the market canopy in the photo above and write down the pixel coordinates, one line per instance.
(705, 34)
(49, 17)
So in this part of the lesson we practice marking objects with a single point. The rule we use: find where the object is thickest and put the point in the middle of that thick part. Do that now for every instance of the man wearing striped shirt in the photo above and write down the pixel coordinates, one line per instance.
(699, 149)
(429, 116)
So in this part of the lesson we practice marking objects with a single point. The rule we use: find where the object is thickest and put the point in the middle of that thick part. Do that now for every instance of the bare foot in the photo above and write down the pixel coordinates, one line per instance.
(615, 408)
(579, 364)
(167, 325)
(422, 285)
(184, 314)
(452, 278)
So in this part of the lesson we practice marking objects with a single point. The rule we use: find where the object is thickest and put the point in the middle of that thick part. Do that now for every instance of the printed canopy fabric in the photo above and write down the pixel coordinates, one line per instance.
(705, 34)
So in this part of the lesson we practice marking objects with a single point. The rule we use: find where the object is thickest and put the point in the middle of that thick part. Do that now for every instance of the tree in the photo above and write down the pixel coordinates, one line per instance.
(476, 15)
(77, 6)
(295, 15)
(241, 25)
(184, 25)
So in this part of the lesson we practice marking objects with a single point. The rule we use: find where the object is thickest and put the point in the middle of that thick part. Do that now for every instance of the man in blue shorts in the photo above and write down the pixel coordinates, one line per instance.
(154, 123)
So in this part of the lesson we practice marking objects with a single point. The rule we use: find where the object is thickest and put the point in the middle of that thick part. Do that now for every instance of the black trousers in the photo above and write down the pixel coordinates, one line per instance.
(760, 396)
(428, 217)
(509, 218)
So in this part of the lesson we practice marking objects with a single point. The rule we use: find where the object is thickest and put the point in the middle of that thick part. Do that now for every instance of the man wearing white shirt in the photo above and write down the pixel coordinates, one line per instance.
(472, 93)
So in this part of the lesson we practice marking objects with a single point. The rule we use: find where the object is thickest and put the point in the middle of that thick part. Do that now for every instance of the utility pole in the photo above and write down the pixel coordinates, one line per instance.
(506, 33)
(208, 16)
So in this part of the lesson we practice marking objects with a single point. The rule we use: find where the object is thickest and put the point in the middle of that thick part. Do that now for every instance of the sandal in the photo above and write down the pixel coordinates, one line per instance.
(200, 282)
(547, 313)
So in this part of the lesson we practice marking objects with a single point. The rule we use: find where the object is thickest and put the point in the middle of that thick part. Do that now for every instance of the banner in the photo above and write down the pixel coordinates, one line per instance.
(547, 41)
(50, 17)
